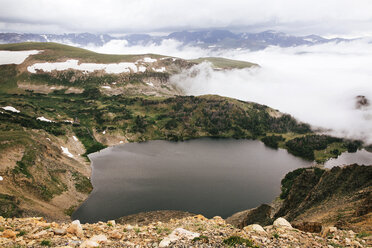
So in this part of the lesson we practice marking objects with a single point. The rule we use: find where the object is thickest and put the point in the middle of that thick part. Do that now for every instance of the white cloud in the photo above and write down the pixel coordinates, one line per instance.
(317, 85)
(325, 17)
(167, 47)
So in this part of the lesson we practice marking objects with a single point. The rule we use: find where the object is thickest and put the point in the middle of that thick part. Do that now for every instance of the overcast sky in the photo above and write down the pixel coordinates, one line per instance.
(324, 17)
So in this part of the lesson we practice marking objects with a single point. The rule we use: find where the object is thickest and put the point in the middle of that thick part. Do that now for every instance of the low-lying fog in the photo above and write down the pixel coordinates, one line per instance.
(317, 84)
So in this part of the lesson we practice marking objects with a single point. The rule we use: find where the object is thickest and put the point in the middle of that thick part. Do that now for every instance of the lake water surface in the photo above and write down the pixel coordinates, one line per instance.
(207, 176)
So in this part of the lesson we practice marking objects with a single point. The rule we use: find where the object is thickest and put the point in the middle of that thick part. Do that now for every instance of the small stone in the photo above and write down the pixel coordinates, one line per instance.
(89, 244)
(200, 217)
(254, 228)
(128, 227)
(219, 221)
(281, 222)
(40, 234)
(178, 233)
(327, 230)
(59, 231)
(9, 234)
(116, 235)
(332, 229)
(99, 238)
(356, 244)
(347, 241)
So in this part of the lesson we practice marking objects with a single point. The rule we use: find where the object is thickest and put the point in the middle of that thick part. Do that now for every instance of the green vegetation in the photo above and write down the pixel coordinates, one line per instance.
(9, 206)
(236, 240)
(21, 233)
(272, 141)
(160, 230)
(82, 183)
(276, 235)
(225, 63)
(201, 238)
(335, 245)
(46, 242)
(305, 146)
(362, 235)
(69, 211)
(288, 180)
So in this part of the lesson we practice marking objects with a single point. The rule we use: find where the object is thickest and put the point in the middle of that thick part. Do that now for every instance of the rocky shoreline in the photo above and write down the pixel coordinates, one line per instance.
(192, 231)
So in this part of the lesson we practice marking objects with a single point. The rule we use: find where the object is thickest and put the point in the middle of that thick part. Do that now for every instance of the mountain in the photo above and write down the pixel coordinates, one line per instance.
(212, 39)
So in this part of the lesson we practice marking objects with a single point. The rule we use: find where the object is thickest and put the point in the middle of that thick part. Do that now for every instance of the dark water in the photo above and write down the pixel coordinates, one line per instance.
(207, 176)
(346, 158)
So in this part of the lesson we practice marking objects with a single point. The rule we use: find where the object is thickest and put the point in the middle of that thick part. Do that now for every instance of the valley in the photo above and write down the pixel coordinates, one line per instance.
(54, 113)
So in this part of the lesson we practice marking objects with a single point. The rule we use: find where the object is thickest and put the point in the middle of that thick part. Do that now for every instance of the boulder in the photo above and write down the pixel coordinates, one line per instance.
(200, 217)
(116, 235)
(254, 228)
(327, 230)
(218, 220)
(281, 222)
(178, 233)
(76, 228)
(9, 234)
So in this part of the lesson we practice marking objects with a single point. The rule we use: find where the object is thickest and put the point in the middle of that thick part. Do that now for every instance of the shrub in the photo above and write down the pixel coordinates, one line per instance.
(236, 240)
(46, 242)
(272, 141)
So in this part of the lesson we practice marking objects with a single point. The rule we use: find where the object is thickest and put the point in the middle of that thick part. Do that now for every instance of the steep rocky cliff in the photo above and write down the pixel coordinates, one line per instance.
(340, 196)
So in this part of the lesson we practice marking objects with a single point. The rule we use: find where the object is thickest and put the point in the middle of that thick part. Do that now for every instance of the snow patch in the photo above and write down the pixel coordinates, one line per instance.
(10, 108)
(106, 87)
(141, 68)
(15, 57)
(1, 178)
(150, 84)
(149, 60)
(104, 132)
(42, 118)
(121, 142)
(74, 137)
(86, 67)
(65, 151)
(162, 69)
(48, 139)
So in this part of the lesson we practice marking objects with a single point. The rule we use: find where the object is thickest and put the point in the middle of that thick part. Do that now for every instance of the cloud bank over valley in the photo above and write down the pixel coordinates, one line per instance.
(316, 84)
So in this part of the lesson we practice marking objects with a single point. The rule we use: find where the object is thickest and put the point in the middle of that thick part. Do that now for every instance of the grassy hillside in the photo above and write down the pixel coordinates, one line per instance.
(225, 63)
(55, 51)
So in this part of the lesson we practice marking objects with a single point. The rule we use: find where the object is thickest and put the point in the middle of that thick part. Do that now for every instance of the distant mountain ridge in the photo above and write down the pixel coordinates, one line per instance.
(212, 39)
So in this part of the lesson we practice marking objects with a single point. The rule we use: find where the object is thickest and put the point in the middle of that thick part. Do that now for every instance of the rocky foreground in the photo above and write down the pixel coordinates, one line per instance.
(195, 231)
